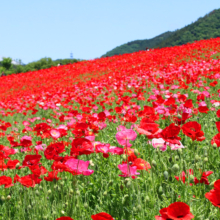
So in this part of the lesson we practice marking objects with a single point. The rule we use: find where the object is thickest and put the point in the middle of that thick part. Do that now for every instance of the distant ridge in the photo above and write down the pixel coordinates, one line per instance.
(138, 45)
(204, 28)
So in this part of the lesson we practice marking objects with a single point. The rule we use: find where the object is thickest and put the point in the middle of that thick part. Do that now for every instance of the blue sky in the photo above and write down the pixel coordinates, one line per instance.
(31, 30)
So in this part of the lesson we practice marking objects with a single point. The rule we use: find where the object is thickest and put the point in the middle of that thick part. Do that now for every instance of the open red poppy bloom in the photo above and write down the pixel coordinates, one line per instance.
(175, 211)
(193, 130)
(169, 134)
(102, 216)
(65, 218)
(214, 197)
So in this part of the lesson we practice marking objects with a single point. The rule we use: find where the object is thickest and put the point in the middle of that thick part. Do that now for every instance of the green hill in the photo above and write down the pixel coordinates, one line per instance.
(138, 45)
(204, 28)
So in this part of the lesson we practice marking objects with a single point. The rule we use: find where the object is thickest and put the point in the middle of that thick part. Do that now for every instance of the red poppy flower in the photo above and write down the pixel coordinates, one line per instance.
(26, 181)
(6, 180)
(203, 109)
(213, 84)
(102, 216)
(183, 119)
(201, 97)
(65, 218)
(81, 146)
(169, 134)
(188, 103)
(217, 185)
(214, 197)
(11, 164)
(193, 130)
(149, 128)
(216, 139)
(175, 211)
(53, 150)
(31, 160)
(141, 164)
(52, 176)
(218, 113)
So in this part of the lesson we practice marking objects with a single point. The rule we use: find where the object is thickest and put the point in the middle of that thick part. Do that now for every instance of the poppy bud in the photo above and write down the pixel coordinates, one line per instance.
(62, 212)
(71, 191)
(77, 192)
(134, 209)
(29, 207)
(91, 163)
(175, 168)
(154, 163)
(124, 157)
(165, 174)
(147, 199)
(85, 205)
(17, 165)
(179, 150)
(8, 197)
(160, 190)
(127, 179)
(177, 158)
(62, 183)
(37, 192)
(212, 183)
(136, 152)
(110, 182)
(179, 116)
(49, 191)
(191, 178)
(149, 179)
(205, 160)
(214, 145)
(105, 193)
(139, 207)
(197, 158)
(128, 184)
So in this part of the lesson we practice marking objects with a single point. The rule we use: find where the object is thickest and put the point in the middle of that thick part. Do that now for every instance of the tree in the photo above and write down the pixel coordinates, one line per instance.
(6, 63)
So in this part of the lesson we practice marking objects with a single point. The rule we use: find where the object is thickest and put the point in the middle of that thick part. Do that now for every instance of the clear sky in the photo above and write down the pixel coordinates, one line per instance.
(33, 29)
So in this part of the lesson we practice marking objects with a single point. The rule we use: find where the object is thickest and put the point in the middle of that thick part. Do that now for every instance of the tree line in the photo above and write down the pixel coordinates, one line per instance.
(7, 68)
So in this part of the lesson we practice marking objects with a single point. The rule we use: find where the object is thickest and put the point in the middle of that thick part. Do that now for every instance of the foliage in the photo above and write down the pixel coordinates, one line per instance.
(6, 63)
(138, 45)
(43, 63)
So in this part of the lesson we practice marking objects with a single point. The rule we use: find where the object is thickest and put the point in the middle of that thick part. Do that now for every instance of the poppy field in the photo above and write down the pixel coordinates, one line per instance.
(128, 137)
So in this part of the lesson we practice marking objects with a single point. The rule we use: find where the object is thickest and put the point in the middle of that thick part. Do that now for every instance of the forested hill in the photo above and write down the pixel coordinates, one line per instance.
(138, 45)
(204, 28)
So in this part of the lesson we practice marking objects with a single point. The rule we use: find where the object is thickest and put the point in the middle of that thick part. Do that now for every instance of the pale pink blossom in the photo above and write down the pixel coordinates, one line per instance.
(158, 143)
(124, 136)
(128, 171)
(55, 133)
(40, 147)
(79, 166)
(26, 123)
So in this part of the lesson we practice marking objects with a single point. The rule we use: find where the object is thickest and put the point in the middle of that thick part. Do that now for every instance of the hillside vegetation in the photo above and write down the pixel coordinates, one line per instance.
(138, 45)
(206, 27)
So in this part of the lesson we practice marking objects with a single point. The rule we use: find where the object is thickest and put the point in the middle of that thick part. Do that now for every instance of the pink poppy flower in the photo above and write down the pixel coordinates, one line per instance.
(79, 166)
(158, 143)
(128, 170)
(124, 136)
(54, 133)
(116, 150)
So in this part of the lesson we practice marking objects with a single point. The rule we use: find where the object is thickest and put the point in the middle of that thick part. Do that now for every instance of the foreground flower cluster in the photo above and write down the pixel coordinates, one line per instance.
(135, 136)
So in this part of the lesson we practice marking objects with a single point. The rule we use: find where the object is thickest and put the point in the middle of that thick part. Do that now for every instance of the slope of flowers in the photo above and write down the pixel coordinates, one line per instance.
(129, 137)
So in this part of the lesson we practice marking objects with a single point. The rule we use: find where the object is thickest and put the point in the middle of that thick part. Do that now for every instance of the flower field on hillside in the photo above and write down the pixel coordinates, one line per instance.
(127, 137)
